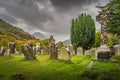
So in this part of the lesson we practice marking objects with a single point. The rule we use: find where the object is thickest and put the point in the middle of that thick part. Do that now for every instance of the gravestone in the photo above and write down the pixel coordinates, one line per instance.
(117, 49)
(28, 52)
(70, 49)
(2, 51)
(64, 55)
(79, 51)
(53, 51)
(104, 52)
(11, 47)
(87, 52)
(34, 50)
(38, 48)
(92, 51)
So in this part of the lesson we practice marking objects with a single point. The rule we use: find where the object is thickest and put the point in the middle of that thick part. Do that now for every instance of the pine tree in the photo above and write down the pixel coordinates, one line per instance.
(83, 32)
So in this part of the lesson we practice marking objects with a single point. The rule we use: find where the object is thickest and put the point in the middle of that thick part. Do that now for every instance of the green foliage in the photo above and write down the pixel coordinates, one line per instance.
(60, 44)
(112, 39)
(115, 39)
(83, 32)
(97, 39)
(114, 17)
(109, 40)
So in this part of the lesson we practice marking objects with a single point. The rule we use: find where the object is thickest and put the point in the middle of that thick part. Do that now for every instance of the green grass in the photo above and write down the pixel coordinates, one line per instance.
(46, 69)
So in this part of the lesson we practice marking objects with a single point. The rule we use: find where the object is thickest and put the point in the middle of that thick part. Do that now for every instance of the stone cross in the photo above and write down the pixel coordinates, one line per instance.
(51, 39)
(102, 18)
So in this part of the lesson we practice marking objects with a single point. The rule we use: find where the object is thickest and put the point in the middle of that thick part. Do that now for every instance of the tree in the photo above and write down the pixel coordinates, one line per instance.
(83, 32)
(114, 17)
(97, 39)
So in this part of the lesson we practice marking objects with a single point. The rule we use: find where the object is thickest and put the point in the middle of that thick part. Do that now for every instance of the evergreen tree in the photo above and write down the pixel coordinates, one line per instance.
(83, 32)
(114, 17)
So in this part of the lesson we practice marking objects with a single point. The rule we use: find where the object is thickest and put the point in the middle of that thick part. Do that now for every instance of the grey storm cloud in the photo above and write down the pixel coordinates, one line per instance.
(47, 16)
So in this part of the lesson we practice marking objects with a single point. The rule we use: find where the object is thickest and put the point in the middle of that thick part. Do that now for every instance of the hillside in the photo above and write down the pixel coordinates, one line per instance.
(10, 32)
(39, 35)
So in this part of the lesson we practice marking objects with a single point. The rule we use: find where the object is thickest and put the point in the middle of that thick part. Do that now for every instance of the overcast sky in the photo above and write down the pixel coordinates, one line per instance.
(50, 17)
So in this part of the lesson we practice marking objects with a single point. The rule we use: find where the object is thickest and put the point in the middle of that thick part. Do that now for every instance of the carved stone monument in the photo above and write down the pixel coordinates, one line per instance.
(53, 51)
(51, 40)
(103, 51)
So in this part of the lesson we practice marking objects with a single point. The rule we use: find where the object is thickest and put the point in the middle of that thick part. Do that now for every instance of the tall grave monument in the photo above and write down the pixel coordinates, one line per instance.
(103, 51)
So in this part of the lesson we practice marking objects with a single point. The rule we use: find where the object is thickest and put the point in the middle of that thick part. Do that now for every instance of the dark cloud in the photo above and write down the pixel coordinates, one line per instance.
(69, 4)
(47, 16)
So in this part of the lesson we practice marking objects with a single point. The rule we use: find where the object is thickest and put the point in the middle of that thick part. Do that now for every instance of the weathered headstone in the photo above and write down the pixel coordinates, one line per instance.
(38, 48)
(2, 51)
(79, 51)
(92, 51)
(70, 49)
(104, 52)
(34, 50)
(28, 52)
(87, 52)
(64, 55)
(117, 49)
(11, 47)
(53, 51)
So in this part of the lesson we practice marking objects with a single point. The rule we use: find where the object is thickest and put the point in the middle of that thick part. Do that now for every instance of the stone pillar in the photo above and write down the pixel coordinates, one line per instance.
(11, 47)
(53, 51)
(103, 51)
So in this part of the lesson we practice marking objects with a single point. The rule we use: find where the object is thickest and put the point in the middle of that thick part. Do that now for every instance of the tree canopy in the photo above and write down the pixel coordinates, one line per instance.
(83, 32)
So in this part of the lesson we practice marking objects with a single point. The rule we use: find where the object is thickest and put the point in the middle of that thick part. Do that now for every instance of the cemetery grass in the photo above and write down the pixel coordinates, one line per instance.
(45, 69)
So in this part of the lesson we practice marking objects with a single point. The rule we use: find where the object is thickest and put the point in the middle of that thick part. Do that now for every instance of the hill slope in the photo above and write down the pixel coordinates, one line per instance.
(10, 32)
(39, 35)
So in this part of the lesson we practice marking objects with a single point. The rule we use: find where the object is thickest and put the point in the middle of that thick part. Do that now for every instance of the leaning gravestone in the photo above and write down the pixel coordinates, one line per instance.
(79, 51)
(28, 52)
(117, 49)
(53, 51)
(2, 51)
(11, 47)
(64, 55)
